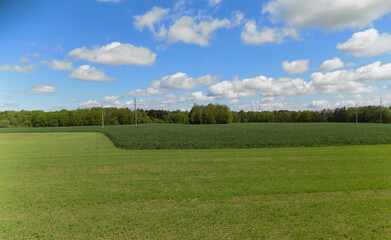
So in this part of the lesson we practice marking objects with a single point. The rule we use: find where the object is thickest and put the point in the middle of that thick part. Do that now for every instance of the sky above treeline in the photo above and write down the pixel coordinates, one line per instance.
(250, 55)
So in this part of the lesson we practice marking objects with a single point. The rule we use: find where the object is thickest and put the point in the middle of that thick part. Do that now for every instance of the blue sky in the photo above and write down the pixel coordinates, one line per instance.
(257, 55)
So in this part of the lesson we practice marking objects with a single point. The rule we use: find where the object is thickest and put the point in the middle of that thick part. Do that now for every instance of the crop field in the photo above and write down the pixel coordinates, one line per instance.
(250, 135)
(80, 186)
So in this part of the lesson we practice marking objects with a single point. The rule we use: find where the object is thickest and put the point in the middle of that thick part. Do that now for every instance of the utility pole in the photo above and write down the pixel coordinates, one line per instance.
(380, 111)
(135, 112)
(356, 114)
(103, 119)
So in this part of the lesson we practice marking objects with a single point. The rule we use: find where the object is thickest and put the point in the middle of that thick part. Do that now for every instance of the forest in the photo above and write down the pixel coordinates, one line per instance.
(199, 114)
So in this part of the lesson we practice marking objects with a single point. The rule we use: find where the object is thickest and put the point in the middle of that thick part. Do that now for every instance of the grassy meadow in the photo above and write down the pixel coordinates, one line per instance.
(80, 186)
(218, 136)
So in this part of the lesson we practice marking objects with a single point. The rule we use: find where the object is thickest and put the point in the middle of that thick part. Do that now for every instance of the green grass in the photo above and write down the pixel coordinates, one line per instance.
(79, 186)
(252, 135)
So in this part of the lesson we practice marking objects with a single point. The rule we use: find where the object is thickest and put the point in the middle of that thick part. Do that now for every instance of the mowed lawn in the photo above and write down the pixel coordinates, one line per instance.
(79, 186)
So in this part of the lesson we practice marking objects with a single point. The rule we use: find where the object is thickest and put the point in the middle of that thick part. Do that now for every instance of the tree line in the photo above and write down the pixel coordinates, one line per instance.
(199, 114)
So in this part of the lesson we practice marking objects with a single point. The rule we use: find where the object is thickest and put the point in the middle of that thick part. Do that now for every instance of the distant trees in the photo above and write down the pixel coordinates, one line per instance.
(199, 114)
(210, 114)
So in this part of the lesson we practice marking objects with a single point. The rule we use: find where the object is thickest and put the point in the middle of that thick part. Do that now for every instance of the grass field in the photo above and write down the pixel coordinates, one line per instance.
(79, 186)
(252, 135)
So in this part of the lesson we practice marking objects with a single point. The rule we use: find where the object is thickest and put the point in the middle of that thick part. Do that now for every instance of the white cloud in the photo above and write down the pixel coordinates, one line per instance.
(110, 99)
(251, 35)
(90, 104)
(148, 92)
(230, 89)
(361, 101)
(11, 96)
(177, 81)
(183, 25)
(270, 104)
(115, 53)
(61, 65)
(234, 101)
(367, 43)
(214, 2)
(331, 64)
(262, 85)
(17, 68)
(113, 1)
(187, 30)
(196, 97)
(24, 60)
(186, 98)
(8, 105)
(298, 66)
(339, 96)
(319, 104)
(237, 19)
(340, 81)
(351, 81)
(180, 81)
(329, 15)
(150, 18)
(42, 89)
(88, 73)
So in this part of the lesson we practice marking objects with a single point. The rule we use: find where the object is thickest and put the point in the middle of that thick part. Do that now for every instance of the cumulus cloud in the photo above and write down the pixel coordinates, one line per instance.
(147, 92)
(251, 35)
(167, 100)
(115, 53)
(181, 81)
(113, 1)
(262, 85)
(177, 81)
(369, 73)
(90, 104)
(187, 97)
(187, 30)
(330, 15)
(269, 104)
(110, 98)
(362, 101)
(150, 18)
(331, 64)
(319, 104)
(234, 101)
(298, 66)
(351, 81)
(17, 68)
(88, 73)
(237, 19)
(11, 96)
(24, 60)
(214, 2)
(182, 26)
(339, 81)
(42, 89)
(108, 101)
(367, 43)
(61, 65)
